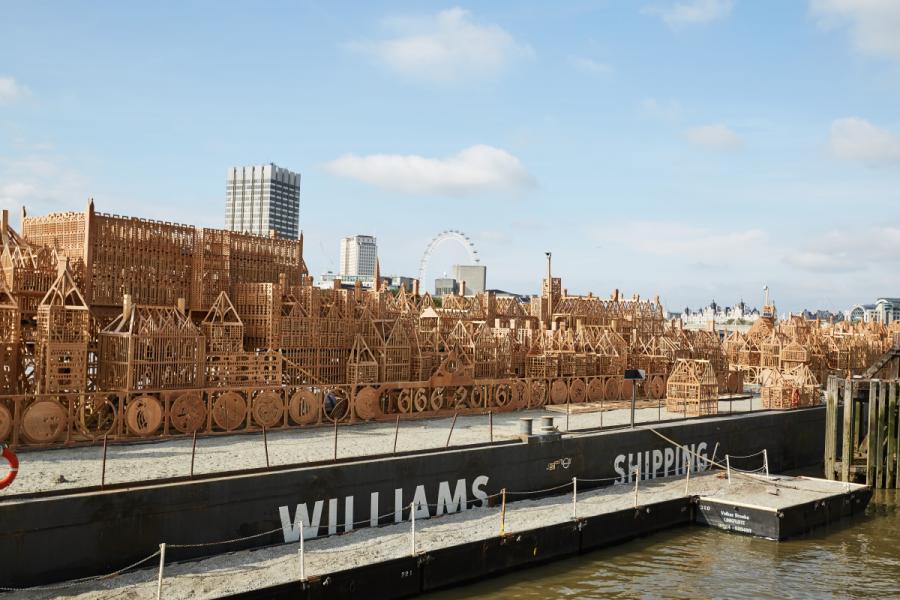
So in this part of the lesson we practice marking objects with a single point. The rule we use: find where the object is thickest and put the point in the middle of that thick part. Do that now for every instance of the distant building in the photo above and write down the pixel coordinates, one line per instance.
(445, 286)
(359, 253)
(475, 277)
(885, 310)
(738, 315)
(260, 199)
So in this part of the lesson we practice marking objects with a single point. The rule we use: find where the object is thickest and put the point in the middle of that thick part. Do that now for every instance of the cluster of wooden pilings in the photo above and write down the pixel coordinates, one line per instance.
(862, 431)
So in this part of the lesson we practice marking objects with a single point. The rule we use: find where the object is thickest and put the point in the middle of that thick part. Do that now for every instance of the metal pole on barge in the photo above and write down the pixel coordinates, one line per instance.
(502, 511)
(687, 468)
(335, 437)
(412, 527)
(637, 480)
(103, 468)
(193, 453)
(266, 446)
(396, 433)
(452, 425)
(302, 556)
(574, 498)
(162, 562)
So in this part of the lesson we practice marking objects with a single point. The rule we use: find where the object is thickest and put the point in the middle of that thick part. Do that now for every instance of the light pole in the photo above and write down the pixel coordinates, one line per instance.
(549, 292)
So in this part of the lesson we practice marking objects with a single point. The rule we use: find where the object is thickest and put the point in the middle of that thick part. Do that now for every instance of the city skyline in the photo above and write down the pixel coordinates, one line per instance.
(690, 149)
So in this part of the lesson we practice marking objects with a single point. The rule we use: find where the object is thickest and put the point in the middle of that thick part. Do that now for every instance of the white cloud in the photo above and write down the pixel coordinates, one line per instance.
(849, 250)
(40, 182)
(668, 110)
(853, 138)
(686, 242)
(447, 47)
(11, 90)
(590, 65)
(691, 12)
(475, 169)
(716, 137)
(874, 24)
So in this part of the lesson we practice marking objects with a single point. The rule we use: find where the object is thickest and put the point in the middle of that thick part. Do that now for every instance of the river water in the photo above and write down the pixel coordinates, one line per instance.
(855, 558)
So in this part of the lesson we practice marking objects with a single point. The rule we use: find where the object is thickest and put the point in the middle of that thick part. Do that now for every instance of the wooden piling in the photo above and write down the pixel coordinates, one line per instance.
(830, 422)
(871, 433)
(880, 434)
(891, 467)
(848, 448)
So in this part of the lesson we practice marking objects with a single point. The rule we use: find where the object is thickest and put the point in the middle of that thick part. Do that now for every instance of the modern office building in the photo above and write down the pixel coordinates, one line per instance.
(445, 286)
(358, 256)
(475, 277)
(260, 199)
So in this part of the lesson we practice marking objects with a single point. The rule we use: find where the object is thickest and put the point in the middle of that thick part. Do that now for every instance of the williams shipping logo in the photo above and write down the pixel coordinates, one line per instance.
(663, 462)
(449, 498)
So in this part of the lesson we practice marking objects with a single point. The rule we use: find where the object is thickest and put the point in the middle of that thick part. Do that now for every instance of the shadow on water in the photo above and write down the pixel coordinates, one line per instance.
(855, 558)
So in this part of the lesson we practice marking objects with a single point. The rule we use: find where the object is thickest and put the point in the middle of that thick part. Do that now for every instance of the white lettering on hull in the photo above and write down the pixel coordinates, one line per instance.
(448, 502)
(661, 462)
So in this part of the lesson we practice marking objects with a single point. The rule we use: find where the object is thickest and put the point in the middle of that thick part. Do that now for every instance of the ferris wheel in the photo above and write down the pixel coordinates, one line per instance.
(450, 235)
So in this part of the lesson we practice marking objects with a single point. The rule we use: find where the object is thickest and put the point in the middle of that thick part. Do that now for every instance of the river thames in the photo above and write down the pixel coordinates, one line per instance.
(856, 558)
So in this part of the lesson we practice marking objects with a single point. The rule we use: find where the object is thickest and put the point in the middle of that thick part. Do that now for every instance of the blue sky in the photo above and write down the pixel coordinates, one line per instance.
(697, 149)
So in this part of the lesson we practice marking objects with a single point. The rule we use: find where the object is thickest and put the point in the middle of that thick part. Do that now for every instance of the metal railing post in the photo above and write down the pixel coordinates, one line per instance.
(412, 529)
(503, 511)
(162, 562)
(637, 480)
(574, 498)
(302, 555)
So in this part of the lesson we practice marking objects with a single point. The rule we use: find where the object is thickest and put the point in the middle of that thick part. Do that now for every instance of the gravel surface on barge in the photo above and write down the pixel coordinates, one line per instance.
(77, 467)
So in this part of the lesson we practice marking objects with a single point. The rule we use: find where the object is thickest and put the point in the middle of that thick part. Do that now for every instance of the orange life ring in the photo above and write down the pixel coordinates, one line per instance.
(13, 461)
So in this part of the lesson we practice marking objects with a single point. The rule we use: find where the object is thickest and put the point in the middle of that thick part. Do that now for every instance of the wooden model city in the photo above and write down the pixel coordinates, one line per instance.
(132, 328)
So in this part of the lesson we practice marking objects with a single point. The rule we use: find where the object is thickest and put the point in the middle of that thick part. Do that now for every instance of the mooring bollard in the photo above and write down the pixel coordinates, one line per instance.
(637, 480)
(502, 511)
(266, 446)
(574, 498)
(412, 528)
(162, 562)
(728, 468)
(547, 426)
(103, 467)
(396, 433)
(302, 556)
(766, 459)
(193, 453)
(525, 426)
(452, 425)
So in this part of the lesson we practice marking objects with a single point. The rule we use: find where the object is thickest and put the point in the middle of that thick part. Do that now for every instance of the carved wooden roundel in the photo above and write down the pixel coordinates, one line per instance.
(268, 409)
(44, 421)
(229, 411)
(188, 413)
(304, 407)
(144, 415)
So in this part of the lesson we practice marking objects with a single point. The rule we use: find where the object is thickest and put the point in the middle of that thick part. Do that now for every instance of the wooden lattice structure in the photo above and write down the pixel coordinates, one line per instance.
(129, 327)
(151, 347)
(692, 388)
(63, 336)
(793, 388)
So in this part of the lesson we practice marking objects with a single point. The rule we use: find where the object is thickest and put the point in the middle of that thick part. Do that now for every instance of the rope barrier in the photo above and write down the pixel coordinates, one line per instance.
(748, 455)
(549, 489)
(74, 582)
(750, 477)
